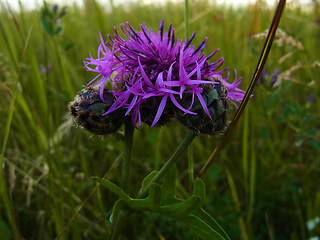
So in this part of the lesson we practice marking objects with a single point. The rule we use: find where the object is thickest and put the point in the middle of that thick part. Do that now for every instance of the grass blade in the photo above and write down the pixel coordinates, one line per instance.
(262, 60)
(3, 190)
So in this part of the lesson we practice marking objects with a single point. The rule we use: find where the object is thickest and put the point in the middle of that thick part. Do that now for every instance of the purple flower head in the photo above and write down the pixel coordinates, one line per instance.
(55, 7)
(146, 65)
(311, 98)
(274, 77)
(263, 76)
(43, 69)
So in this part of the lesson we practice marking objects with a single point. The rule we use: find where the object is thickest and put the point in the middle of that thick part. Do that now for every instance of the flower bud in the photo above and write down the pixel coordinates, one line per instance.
(149, 110)
(87, 110)
(216, 100)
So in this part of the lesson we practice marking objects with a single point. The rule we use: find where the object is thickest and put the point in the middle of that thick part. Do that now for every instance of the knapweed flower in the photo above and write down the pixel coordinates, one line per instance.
(156, 77)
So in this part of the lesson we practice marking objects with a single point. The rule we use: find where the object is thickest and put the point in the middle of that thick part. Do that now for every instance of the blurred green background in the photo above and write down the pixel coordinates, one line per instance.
(265, 184)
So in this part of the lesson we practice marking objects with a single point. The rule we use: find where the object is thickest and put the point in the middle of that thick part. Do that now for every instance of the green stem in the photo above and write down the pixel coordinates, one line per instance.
(129, 129)
(190, 164)
(176, 155)
(125, 173)
(119, 219)
(63, 71)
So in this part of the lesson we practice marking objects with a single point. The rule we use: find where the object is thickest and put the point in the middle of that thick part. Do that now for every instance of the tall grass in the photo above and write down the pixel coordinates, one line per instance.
(264, 185)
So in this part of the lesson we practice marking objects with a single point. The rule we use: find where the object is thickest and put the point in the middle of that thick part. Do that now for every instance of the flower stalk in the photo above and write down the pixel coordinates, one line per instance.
(128, 137)
(175, 156)
(119, 219)
(125, 174)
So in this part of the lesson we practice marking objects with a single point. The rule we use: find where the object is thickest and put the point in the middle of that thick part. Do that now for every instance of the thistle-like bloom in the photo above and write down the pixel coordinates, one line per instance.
(149, 66)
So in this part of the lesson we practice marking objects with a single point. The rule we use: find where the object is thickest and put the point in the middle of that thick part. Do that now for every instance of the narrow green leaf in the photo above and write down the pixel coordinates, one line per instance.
(148, 179)
(200, 190)
(37, 80)
(9, 44)
(200, 228)
(41, 137)
(208, 219)
(67, 46)
(169, 184)
(56, 31)
(118, 206)
(3, 189)
(46, 24)
(113, 188)
(154, 197)
(183, 208)
(5, 231)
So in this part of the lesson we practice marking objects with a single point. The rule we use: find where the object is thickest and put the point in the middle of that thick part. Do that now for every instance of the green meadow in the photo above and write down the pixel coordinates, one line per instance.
(265, 182)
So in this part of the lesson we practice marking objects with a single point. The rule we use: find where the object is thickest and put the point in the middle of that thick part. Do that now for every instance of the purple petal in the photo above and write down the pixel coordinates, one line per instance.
(132, 104)
(144, 75)
(204, 105)
(174, 101)
(160, 110)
